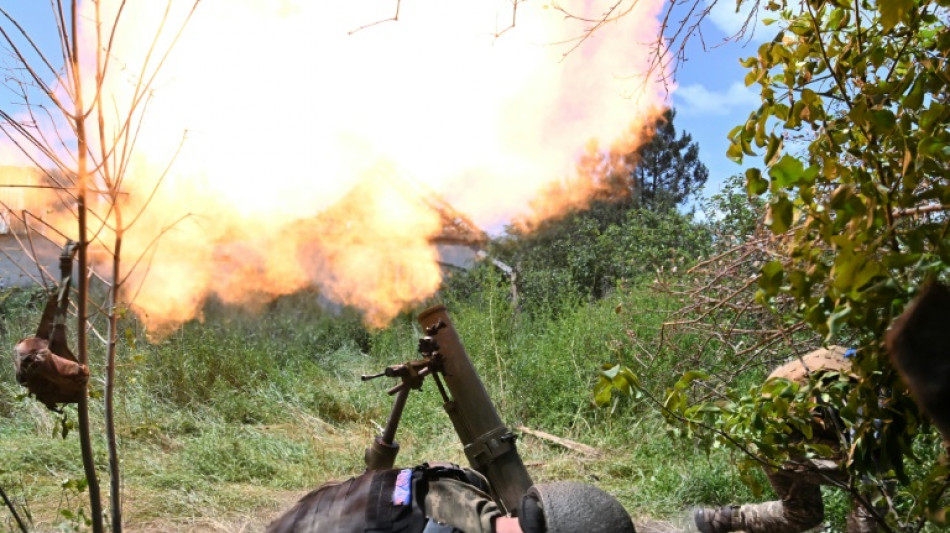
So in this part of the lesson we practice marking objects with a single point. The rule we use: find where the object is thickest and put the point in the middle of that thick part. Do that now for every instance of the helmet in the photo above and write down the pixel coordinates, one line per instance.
(832, 358)
(569, 507)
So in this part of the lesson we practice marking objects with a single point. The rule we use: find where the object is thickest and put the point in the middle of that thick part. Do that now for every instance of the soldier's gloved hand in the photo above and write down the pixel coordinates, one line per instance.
(531, 515)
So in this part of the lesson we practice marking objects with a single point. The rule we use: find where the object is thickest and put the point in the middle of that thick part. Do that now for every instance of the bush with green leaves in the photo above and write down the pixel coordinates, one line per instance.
(853, 134)
(863, 204)
(587, 254)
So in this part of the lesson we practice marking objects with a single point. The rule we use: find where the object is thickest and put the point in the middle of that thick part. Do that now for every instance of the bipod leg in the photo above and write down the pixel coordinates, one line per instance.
(382, 453)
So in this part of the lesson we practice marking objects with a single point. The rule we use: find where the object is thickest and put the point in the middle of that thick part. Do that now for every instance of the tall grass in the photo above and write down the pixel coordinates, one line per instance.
(238, 414)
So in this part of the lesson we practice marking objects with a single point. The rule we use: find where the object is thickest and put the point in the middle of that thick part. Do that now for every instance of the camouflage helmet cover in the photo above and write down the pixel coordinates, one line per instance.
(832, 358)
(570, 507)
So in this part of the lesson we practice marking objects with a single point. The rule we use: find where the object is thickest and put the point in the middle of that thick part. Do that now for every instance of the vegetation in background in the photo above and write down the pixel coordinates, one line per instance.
(632, 228)
(663, 173)
(852, 131)
(237, 416)
(247, 410)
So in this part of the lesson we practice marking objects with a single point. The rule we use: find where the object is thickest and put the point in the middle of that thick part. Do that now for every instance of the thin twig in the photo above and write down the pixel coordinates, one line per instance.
(394, 18)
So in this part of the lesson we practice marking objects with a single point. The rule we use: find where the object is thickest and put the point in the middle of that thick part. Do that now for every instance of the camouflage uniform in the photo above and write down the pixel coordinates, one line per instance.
(460, 506)
(798, 483)
(436, 498)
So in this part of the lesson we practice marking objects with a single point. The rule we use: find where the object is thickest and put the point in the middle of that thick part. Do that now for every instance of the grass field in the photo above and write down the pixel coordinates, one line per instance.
(231, 419)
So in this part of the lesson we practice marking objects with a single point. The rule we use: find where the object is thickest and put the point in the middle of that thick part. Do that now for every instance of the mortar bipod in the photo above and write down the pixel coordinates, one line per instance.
(381, 454)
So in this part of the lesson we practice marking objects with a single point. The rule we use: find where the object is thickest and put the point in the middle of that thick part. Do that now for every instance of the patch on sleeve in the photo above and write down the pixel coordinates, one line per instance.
(402, 492)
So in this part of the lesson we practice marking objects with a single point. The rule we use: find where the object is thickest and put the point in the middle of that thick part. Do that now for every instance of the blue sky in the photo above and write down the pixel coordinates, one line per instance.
(711, 97)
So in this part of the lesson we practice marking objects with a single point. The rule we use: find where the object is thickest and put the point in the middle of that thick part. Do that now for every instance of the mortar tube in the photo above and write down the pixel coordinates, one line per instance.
(489, 445)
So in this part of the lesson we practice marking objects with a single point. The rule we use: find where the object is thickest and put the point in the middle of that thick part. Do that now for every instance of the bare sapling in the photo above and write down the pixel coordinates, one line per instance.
(75, 112)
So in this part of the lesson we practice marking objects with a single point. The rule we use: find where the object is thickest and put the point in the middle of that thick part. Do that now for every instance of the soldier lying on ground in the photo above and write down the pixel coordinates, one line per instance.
(444, 498)
(798, 483)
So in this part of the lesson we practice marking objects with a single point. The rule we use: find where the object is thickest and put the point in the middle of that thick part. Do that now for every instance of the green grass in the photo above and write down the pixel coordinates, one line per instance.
(236, 416)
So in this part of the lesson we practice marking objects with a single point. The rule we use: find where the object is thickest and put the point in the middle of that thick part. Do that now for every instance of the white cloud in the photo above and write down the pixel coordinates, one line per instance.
(724, 16)
(697, 100)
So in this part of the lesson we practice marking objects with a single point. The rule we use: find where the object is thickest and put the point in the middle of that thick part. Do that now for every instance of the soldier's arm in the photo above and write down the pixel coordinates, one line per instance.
(464, 507)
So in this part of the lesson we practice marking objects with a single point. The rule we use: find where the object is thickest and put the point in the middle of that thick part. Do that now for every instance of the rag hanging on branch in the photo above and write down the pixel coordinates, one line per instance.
(44, 363)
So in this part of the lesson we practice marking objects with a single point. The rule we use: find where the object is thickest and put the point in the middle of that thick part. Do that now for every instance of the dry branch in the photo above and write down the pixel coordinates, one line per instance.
(567, 443)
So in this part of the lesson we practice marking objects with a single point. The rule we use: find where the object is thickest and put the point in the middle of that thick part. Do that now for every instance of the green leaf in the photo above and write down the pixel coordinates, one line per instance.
(836, 320)
(755, 183)
(694, 375)
(630, 377)
(688, 378)
(893, 12)
(867, 272)
(622, 385)
(800, 27)
(882, 121)
(610, 371)
(746, 146)
(779, 218)
(899, 259)
(751, 77)
(877, 56)
(734, 152)
(770, 277)
(930, 146)
(846, 263)
(775, 142)
(603, 392)
(808, 96)
(805, 426)
(934, 116)
(787, 171)
(749, 62)
(915, 98)
(834, 20)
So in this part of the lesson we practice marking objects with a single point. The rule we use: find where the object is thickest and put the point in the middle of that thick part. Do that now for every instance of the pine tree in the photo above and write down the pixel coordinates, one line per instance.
(664, 172)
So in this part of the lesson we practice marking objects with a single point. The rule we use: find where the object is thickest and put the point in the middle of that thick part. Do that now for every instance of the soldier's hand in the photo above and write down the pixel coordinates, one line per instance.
(506, 524)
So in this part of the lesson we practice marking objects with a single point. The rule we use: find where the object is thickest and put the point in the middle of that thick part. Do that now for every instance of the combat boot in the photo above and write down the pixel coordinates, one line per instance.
(716, 519)
(766, 517)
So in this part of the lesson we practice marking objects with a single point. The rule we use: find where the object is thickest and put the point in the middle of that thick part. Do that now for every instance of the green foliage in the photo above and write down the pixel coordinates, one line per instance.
(853, 136)
(234, 351)
(615, 377)
(16, 307)
(583, 256)
(73, 519)
(631, 229)
(733, 212)
(226, 417)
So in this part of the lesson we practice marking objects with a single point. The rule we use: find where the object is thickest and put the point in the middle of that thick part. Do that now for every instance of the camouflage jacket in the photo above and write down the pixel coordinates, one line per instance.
(410, 500)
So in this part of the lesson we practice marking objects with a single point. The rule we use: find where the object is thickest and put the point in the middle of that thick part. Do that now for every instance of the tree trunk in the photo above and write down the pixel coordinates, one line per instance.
(115, 481)
(79, 118)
